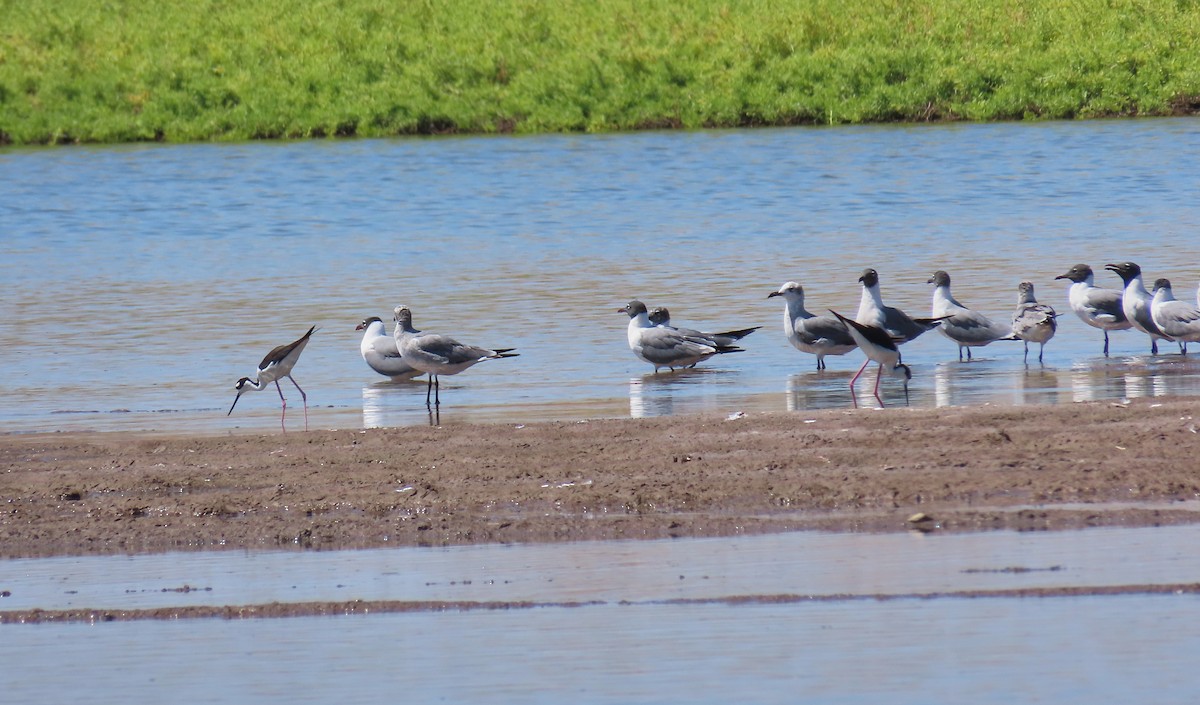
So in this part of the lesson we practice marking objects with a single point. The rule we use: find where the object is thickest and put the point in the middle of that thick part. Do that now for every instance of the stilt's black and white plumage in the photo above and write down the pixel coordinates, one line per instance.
(898, 324)
(666, 347)
(1136, 301)
(438, 354)
(379, 351)
(818, 335)
(879, 346)
(1097, 307)
(1033, 322)
(660, 316)
(277, 364)
(968, 328)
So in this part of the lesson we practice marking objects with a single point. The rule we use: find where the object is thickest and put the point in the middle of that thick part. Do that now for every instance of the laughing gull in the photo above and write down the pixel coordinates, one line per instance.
(818, 335)
(880, 346)
(1177, 319)
(666, 347)
(1099, 308)
(438, 354)
(965, 327)
(660, 316)
(277, 364)
(898, 324)
(379, 351)
(1135, 302)
(1033, 322)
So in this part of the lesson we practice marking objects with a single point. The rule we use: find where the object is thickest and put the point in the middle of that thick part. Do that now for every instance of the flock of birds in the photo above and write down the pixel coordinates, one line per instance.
(877, 329)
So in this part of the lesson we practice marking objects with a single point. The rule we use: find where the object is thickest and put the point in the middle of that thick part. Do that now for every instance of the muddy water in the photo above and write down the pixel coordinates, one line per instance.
(140, 282)
(632, 645)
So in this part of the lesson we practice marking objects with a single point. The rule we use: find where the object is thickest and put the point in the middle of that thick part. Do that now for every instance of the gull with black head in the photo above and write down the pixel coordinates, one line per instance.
(379, 351)
(1095, 306)
(1178, 319)
(968, 328)
(666, 347)
(277, 364)
(660, 316)
(1136, 302)
(873, 312)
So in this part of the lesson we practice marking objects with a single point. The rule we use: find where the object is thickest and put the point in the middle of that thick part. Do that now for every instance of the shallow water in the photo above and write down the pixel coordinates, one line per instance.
(803, 563)
(141, 281)
(633, 646)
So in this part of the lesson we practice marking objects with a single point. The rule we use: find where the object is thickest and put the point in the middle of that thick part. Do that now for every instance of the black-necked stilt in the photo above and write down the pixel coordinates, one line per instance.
(898, 324)
(1033, 322)
(878, 345)
(666, 347)
(1135, 302)
(660, 316)
(969, 329)
(438, 354)
(1178, 319)
(278, 363)
(379, 351)
(1099, 308)
(818, 335)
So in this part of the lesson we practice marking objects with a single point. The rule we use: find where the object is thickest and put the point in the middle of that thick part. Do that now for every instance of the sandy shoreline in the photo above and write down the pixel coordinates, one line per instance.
(1052, 467)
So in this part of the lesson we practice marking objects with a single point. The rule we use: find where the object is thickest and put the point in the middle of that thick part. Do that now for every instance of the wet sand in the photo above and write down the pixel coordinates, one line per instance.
(1050, 467)
(1025, 468)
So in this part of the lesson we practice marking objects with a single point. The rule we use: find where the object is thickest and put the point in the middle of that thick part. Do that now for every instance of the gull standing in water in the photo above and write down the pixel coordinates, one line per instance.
(1099, 308)
(898, 324)
(1135, 302)
(965, 327)
(666, 347)
(379, 351)
(817, 335)
(879, 346)
(1177, 319)
(278, 363)
(438, 355)
(660, 316)
(1033, 322)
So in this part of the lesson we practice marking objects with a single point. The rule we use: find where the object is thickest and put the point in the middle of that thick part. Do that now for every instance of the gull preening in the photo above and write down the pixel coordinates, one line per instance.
(277, 364)
(379, 351)
(666, 347)
(1033, 322)
(817, 335)
(660, 316)
(879, 346)
(968, 328)
(898, 324)
(1097, 307)
(438, 355)
(1135, 302)
(1178, 319)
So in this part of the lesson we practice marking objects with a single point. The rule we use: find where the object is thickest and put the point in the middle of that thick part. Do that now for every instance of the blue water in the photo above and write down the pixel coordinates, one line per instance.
(630, 643)
(139, 282)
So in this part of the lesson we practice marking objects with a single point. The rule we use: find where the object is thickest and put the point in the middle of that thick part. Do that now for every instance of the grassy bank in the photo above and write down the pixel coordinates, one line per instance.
(125, 70)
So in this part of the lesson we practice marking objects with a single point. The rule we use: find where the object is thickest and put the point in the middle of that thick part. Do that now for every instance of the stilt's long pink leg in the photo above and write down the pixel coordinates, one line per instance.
(303, 397)
(877, 376)
(854, 379)
(283, 413)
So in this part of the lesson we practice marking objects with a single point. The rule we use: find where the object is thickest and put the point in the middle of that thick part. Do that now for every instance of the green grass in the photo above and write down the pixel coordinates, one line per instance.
(115, 71)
